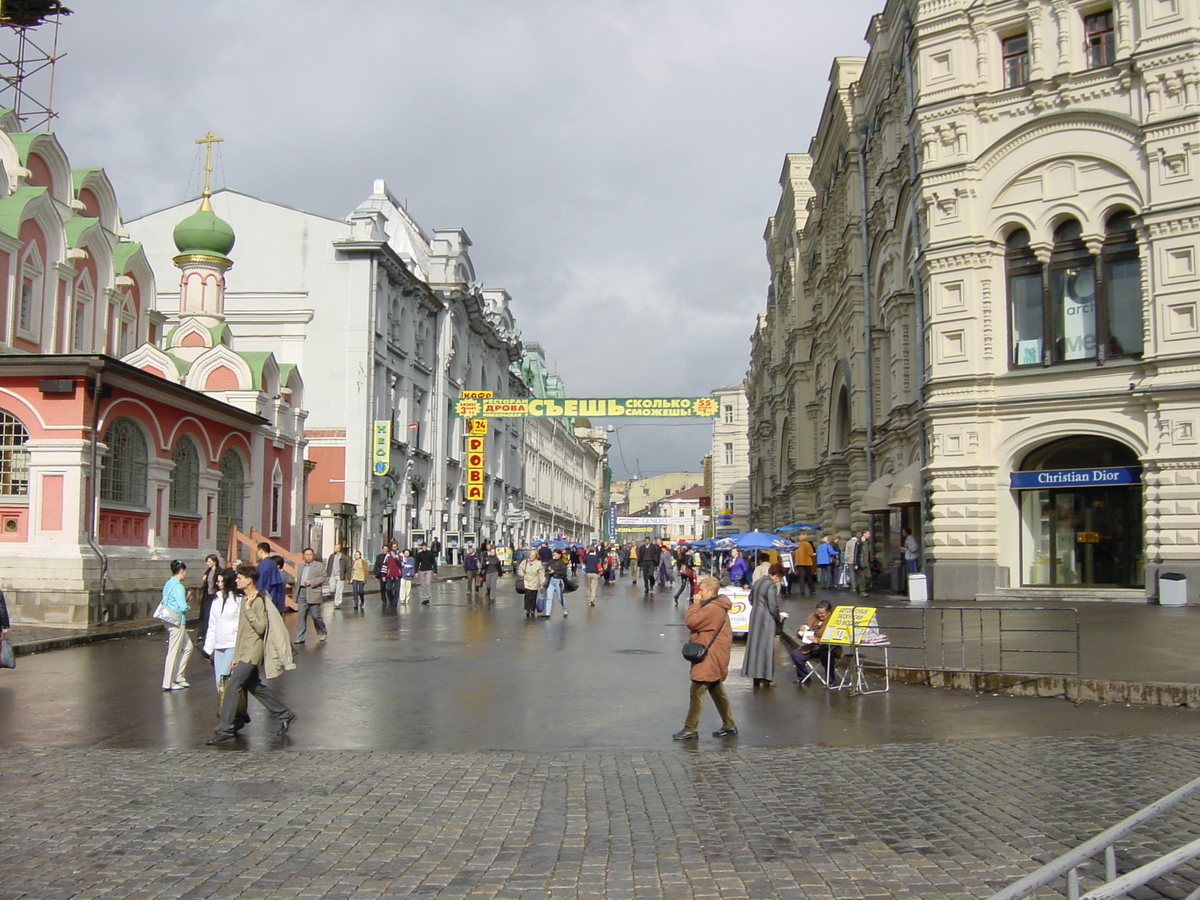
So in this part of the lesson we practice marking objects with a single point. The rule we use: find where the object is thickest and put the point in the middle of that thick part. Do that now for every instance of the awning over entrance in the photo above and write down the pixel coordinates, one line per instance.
(875, 500)
(906, 489)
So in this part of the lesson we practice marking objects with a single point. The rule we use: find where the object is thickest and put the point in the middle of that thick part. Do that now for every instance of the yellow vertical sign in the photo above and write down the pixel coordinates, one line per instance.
(477, 430)
(381, 447)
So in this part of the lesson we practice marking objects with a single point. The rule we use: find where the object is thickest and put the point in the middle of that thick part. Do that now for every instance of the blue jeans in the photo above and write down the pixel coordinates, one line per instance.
(555, 590)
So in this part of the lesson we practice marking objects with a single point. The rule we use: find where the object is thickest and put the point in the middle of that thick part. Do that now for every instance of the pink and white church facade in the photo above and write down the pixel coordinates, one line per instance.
(122, 448)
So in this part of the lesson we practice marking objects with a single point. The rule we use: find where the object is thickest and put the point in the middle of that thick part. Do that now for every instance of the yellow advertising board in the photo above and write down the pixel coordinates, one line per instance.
(849, 625)
(477, 430)
(539, 407)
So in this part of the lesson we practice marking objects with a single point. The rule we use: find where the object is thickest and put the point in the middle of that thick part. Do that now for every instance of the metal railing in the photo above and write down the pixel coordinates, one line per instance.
(1027, 640)
(1069, 863)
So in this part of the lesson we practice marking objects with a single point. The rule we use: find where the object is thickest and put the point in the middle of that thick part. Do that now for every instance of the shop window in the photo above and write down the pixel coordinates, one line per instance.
(123, 478)
(1101, 39)
(1082, 307)
(1076, 530)
(1015, 54)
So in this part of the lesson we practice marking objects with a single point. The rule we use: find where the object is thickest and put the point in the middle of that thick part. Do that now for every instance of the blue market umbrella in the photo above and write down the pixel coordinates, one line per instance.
(799, 526)
(759, 540)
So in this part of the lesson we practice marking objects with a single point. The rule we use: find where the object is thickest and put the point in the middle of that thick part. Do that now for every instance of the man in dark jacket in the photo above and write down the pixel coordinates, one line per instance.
(378, 571)
(427, 563)
(647, 558)
(270, 578)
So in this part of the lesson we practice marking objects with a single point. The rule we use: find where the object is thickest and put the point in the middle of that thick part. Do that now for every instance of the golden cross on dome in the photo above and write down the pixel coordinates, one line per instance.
(208, 140)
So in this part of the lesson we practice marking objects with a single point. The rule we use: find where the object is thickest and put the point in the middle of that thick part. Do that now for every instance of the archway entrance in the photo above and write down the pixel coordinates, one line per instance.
(1081, 514)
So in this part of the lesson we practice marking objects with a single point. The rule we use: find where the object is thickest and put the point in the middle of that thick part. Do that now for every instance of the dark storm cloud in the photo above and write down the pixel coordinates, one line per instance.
(614, 162)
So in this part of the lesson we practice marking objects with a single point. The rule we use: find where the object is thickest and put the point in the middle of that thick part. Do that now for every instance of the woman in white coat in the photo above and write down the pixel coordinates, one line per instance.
(221, 637)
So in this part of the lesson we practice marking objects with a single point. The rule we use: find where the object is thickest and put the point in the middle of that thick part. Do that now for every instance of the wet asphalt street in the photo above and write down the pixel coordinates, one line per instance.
(463, 675)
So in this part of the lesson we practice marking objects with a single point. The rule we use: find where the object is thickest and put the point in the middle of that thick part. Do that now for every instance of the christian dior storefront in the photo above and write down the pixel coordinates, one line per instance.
(1081, 515)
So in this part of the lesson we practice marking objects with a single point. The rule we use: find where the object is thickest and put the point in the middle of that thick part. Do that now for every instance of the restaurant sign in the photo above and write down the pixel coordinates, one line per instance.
(538, 407)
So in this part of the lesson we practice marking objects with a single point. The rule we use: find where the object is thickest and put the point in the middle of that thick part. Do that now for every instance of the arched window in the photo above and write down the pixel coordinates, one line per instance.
(29, 303)
(1024, 300)
(1083, 308)
(185, 479)
(276, 500)
(231, 492)
(1122, 287)
(841, 422)
(84, 294)
(14, 458)
(123, 478)
(1072, 295)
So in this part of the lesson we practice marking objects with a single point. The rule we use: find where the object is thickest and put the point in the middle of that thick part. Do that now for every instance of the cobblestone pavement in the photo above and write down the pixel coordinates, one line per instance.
(939, 820)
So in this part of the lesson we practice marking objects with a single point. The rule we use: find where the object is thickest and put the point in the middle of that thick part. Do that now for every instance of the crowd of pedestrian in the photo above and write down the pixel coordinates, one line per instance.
(242, 633)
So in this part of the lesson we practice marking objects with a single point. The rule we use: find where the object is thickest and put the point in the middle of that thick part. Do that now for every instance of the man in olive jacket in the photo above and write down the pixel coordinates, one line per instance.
(261, 643)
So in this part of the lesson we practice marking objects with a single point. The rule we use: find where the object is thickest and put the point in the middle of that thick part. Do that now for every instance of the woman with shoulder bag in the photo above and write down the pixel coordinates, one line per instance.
(179, 645)
(532, 575)
(707, 620)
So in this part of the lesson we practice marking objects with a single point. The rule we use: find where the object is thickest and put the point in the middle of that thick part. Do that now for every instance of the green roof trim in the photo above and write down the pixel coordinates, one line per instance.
(182, 366)
(75, 228)
(12, 208)
(257, 361)
(78, 176)
(23, 140)
(123, 252)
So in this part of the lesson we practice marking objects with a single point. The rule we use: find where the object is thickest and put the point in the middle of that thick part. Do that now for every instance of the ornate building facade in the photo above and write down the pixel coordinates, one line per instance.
(390, 326)
(123, 447)
(982, 319)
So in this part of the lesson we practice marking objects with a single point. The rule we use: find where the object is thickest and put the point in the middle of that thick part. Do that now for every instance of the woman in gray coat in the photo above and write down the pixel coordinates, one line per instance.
(765, 623)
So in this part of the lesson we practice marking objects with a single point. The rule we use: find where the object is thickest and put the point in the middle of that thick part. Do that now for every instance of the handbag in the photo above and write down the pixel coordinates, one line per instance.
(520, 585)
(569, 585)
(164, 613)
(695, 653)
(7, 659)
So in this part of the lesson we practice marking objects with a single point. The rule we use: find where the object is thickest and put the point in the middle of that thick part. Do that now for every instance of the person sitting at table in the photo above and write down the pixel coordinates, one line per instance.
(810, 644)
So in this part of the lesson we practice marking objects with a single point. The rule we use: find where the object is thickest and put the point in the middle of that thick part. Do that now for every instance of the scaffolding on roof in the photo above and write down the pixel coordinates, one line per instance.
(27, 70)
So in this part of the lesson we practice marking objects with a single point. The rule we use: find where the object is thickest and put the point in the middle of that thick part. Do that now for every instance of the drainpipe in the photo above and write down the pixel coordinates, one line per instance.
(864, 128)
(918, 287)
(368, 537)
(94, 487)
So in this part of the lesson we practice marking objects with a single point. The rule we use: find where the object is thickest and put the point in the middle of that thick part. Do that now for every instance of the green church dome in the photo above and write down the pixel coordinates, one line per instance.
(203, 232)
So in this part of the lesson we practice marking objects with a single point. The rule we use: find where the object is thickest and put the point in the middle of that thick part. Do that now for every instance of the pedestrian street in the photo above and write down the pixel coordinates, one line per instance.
(459, 750)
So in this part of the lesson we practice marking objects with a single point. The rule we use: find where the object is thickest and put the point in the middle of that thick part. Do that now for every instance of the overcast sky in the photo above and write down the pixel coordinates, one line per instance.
(614, 161)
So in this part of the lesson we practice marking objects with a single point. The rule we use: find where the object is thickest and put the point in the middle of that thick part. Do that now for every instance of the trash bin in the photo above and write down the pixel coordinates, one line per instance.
(918, 590)
(1172, 589)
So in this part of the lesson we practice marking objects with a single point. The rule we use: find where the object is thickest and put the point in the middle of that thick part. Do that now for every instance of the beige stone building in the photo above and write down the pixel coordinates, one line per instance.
(982, 321)
(730, 457)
